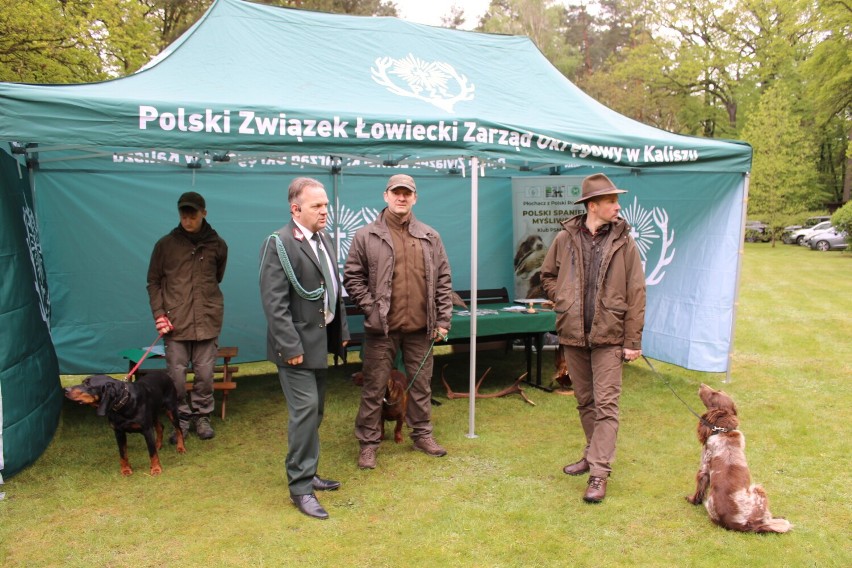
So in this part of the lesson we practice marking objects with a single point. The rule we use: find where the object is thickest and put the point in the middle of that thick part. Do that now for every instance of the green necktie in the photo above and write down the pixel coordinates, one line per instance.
(329, 283)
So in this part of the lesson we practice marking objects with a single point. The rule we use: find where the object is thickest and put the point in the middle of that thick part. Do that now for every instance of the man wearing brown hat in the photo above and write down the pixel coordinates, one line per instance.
(593, 273)
(186, 268)
(398, 273)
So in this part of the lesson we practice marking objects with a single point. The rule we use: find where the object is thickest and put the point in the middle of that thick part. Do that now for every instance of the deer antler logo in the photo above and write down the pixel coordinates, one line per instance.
(434, 82)
(644, 225)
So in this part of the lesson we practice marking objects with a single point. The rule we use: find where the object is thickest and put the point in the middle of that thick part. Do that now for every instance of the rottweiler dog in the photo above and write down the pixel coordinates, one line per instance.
(133, 407)
(394, 403)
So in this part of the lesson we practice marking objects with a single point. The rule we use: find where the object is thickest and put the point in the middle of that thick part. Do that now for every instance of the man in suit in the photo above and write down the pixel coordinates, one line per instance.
(300, 291)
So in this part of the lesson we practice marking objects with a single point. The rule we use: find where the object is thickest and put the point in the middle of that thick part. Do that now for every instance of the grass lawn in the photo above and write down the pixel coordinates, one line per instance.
(500, 499)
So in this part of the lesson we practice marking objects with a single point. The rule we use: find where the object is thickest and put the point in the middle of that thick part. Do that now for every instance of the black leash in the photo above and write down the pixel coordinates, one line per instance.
(715, 429)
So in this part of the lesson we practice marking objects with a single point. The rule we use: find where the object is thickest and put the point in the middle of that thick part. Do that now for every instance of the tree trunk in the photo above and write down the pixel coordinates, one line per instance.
(847, 175)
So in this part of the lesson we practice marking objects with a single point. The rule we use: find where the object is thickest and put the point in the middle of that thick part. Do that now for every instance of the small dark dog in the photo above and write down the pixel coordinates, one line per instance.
(723, 480)
(394, 403)
(133, 407)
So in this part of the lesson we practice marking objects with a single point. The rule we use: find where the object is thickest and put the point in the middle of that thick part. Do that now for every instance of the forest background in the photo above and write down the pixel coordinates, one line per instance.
(774, 73)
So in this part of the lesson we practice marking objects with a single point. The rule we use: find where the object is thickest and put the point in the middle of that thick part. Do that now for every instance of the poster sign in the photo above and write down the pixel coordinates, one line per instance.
(539, 205)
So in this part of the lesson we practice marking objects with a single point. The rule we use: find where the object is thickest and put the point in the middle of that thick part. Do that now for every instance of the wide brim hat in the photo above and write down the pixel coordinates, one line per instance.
(597, 185)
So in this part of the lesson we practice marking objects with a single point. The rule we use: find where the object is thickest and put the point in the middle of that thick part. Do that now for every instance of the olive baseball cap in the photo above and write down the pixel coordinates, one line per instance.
(401, 180)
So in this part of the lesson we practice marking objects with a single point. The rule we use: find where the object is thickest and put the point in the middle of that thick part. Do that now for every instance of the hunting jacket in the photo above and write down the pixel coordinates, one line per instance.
(368, 273)
(183, 283)
(619, 314)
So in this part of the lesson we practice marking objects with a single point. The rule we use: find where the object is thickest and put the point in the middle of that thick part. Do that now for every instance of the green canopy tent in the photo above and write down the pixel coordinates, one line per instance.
(253, 95)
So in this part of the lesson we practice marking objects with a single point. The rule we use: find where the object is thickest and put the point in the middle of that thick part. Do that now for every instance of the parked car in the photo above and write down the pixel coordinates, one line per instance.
(799, 235)
(757, 231)
(829, 240)
(786, 235)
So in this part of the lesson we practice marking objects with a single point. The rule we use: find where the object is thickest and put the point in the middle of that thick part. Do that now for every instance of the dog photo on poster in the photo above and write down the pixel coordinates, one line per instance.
(539, 205)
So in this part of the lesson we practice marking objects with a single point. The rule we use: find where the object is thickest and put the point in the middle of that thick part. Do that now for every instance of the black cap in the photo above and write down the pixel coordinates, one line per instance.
(193, 200)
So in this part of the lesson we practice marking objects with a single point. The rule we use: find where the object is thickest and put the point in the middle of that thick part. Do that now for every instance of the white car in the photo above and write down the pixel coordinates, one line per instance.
(809, 239)
(798, 236)
(786, 235)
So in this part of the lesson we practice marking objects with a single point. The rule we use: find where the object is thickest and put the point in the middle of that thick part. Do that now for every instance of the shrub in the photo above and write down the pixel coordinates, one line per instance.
(842, 221)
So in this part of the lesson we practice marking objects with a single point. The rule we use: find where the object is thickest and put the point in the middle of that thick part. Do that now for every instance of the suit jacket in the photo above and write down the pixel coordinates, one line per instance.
(296, 326)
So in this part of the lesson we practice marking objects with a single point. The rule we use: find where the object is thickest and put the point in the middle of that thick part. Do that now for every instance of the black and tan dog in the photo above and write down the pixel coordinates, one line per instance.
(394, 402)
(133, 407)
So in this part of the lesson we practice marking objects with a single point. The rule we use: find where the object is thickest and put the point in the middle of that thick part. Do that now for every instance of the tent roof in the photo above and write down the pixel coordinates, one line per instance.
(249, 78)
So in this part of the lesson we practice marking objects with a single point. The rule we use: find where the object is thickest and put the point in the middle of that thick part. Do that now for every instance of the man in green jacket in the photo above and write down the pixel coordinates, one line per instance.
(186, 268)
(593, 273)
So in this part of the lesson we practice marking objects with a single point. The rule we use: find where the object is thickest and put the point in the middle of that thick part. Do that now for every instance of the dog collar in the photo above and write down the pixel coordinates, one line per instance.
(124, 398)
(720, 430)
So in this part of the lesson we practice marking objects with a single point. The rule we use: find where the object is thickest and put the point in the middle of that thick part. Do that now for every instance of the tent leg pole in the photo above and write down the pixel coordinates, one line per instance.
(740, 254)
(474, 232)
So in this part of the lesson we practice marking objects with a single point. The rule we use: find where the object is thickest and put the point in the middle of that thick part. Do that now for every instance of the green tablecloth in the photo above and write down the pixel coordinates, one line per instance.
(502, 323)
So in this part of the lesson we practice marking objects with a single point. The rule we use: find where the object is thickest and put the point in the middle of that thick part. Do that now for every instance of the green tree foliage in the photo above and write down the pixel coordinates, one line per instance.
(842, 220)
(455, 18)
(541, 21)
(353, 7)
(51, 41)
(830, 88)
(173, 17)
(783, 174)
(81, 41)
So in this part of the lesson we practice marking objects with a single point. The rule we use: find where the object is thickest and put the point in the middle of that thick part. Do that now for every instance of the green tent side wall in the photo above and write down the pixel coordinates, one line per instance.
(30, 394)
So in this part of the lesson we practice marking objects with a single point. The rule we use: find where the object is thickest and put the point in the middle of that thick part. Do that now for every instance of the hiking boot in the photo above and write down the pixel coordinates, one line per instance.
(367, 457)
(184, 428)
(203, 428)
(428, 445)
(596, 491)
(578, 468)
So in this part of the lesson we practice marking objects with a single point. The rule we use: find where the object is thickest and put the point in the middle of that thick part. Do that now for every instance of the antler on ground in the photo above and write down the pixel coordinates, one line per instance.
(514, 388)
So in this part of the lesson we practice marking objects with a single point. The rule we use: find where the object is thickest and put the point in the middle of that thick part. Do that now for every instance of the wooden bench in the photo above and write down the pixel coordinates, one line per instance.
(223, 375)
(486, 296)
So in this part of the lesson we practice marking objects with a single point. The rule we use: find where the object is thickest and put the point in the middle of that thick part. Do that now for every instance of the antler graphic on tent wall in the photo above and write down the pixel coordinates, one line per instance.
(661, 218)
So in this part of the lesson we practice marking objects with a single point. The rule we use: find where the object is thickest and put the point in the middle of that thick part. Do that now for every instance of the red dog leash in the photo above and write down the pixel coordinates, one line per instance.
(148, 352)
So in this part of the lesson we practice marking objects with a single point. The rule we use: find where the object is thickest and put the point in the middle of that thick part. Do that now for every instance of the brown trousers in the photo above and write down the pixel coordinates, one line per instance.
(379, 355)
(596, 376)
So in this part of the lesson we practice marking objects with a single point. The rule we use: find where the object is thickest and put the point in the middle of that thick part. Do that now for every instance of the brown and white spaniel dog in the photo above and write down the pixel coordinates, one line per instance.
(723, 481)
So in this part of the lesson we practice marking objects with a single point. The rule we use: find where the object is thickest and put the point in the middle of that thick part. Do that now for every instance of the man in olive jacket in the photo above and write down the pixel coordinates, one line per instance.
(593, 274)
(301, 295)
(398, 273)
(184, 274)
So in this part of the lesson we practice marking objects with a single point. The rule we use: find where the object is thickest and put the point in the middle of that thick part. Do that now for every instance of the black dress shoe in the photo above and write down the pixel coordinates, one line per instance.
(309, 505)
(320, 484)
